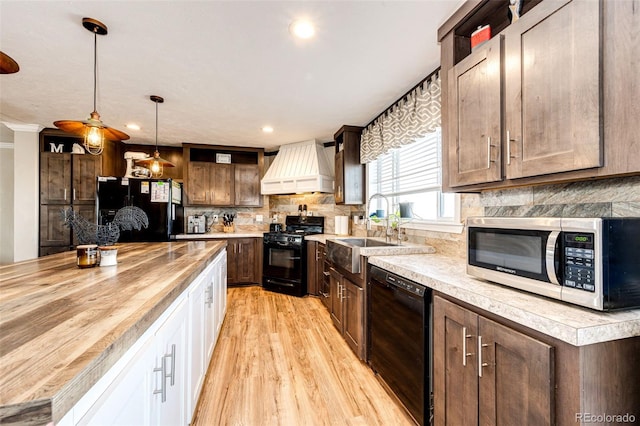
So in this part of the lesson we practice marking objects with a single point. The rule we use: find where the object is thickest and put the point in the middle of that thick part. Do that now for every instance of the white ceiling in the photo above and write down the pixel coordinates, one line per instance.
(225, 68)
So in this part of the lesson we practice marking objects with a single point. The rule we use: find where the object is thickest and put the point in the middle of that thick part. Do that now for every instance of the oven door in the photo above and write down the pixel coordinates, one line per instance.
(528, 259)
(282, 261)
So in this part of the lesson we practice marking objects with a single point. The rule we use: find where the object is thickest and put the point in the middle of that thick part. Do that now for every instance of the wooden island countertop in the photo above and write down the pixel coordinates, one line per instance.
(62, 327)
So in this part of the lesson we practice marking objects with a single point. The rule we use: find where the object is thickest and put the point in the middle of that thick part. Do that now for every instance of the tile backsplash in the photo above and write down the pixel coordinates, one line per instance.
(593, 198)
(616, 197)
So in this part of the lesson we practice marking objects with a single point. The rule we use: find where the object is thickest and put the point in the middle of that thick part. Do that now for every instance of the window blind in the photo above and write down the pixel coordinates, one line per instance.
(411, 169)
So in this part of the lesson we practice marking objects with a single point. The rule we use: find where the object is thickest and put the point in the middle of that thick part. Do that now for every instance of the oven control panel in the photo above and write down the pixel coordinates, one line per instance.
(579, 269)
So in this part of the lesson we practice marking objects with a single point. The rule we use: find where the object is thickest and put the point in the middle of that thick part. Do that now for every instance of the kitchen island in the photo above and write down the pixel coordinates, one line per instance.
(62, 328)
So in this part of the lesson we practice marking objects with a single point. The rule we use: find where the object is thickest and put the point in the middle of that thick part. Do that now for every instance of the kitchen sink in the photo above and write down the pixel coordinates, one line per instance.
(365, 242)
(345, 252)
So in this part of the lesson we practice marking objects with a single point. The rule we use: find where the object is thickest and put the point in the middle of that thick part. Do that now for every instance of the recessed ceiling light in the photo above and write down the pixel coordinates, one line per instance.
(302, 29)
(267, 129)
(132, 126)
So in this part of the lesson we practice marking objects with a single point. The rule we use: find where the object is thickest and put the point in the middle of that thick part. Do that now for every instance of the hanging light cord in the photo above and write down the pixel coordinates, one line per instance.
(156, 126)
(95, 66)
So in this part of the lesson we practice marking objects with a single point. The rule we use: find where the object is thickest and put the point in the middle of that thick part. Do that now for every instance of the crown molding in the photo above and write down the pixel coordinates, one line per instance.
(21, 127)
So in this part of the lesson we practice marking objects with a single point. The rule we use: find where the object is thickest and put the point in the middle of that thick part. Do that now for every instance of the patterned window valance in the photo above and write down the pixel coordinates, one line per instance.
(413, 117)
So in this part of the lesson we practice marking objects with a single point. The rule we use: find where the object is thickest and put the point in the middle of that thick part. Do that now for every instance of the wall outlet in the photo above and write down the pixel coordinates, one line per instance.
(259, 218)
(215, 218)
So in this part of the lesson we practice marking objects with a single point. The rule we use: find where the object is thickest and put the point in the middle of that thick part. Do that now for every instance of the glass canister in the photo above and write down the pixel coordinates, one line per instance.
(87, 255)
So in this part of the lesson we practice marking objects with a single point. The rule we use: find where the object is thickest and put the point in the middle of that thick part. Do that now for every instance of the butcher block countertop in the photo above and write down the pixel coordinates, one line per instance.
(62, 328)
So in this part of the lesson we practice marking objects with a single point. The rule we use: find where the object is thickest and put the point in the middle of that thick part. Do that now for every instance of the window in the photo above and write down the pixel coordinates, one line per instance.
(411, 178)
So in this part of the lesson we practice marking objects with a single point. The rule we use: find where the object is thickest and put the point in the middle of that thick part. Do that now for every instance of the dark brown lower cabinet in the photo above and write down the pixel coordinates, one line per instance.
(347, 310)
(55, 236)
(315, 269)
(244, 261)
(489, 371)
(488, 374)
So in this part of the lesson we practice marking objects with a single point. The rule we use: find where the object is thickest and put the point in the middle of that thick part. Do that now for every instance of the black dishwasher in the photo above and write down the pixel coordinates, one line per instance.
(399, 339)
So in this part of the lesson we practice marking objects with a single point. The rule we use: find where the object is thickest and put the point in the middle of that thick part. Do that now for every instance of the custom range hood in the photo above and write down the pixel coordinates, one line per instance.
(299, 167)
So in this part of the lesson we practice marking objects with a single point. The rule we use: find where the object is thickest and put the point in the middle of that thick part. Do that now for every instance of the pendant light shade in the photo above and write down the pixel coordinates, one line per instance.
(92, 129)
(156, 164)
(7, 64)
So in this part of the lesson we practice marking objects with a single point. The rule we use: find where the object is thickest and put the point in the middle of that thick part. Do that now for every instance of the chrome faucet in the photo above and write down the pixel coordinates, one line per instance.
(368, 219)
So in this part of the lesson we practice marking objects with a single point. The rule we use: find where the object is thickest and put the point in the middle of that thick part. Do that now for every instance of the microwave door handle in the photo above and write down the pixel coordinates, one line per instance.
(550, 257)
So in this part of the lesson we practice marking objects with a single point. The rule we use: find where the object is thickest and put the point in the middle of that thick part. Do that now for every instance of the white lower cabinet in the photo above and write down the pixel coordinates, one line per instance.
(169, 399)
(158, 381)
(198, 301)
(126, 400)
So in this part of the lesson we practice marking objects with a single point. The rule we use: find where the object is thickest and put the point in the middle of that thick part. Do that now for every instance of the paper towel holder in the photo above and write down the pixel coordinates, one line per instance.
(342, 225)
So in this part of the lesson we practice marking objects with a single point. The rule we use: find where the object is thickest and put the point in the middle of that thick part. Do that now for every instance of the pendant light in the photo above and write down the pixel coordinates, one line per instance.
(156, 164)
(7, 64)
(92, 129)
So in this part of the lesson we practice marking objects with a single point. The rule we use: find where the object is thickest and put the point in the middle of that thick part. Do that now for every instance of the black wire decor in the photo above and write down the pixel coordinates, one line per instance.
(126, 219)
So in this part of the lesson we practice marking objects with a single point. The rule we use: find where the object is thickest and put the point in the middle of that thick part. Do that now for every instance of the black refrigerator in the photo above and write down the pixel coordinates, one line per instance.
(161, 200)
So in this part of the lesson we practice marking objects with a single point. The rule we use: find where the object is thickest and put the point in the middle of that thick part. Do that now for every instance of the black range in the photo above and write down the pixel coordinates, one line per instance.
(284, 269)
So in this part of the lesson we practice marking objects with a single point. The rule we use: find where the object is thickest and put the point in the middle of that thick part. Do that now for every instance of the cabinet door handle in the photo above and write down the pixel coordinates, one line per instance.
(65, 194)
(508, 149)
(465, 336)
(173, 364)
(489, 160)
(208, 295)
(163, 390)
(74, 194)
(326, 274)
(480, 363)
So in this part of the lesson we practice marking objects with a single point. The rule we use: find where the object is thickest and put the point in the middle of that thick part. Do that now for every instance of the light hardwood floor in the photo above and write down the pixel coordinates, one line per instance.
(280, 361)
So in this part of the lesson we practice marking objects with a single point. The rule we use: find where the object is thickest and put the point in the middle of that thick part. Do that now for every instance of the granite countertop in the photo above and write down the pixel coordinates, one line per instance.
(322, 238)
(572, 324)
(62, 328)
(219, 235)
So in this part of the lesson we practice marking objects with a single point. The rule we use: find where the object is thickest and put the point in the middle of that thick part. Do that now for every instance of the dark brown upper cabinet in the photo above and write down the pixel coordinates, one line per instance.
(349, 173)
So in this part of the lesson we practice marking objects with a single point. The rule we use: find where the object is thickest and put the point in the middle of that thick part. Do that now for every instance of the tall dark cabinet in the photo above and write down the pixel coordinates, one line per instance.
(66, 181)
(350, 174)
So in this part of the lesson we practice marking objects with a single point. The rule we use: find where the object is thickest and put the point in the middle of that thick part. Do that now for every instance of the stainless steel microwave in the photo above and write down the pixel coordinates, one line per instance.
(591, 262)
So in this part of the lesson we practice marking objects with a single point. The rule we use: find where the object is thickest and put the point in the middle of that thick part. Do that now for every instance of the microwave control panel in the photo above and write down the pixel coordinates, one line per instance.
(578, 268)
